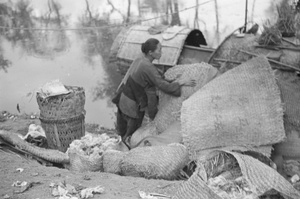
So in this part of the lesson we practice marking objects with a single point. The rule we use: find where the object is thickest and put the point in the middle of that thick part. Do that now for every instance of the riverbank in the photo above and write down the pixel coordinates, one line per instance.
(115, 186)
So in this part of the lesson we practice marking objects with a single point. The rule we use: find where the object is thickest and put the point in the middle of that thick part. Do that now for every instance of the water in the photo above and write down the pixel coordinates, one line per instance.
(28, 73)
(80, 58)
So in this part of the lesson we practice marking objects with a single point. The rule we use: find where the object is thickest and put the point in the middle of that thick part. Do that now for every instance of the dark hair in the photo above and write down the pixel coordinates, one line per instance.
(149, 45)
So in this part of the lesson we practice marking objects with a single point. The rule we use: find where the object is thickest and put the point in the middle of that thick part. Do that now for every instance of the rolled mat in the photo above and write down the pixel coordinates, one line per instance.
(242, 107)
(169, 106)
(142, 132)
(263, 178)
(47, 154)
(195, 188)
(171, 135)
(158, 162)
(112, 161)
(82, 163)
(264, 150)
(260, 177)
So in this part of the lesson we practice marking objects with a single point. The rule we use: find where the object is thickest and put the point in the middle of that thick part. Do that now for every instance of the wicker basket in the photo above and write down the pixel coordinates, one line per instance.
(62, 117)
(60, 133)
(62, 106)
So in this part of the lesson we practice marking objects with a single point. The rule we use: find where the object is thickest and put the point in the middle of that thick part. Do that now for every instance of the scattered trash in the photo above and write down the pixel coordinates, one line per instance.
(35, 135)
(164, 186)
(295, 178)
(86, 154)
(6, 196)
(35, 174)
(20, 170)
(144, 195)
(34, 130)
(23, 186)
(67, 191)
(18, 108)
(19, 184)
(86, 177)
(59, 191)
(53, 88)
(89, 192)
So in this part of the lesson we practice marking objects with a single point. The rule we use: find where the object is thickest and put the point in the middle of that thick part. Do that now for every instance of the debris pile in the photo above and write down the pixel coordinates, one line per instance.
(86, 154)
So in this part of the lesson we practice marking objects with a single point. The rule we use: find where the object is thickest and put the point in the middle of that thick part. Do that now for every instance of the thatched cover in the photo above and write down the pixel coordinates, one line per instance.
(127, 45)
(231, 53)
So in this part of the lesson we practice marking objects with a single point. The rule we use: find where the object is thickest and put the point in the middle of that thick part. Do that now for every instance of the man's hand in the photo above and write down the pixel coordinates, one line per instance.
(187, 82)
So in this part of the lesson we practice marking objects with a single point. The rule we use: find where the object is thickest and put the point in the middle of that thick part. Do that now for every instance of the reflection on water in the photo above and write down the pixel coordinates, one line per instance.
(37, 56)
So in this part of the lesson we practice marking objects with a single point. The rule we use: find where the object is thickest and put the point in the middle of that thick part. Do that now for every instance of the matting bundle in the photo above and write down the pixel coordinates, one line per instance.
(169, 106)
(242, 107)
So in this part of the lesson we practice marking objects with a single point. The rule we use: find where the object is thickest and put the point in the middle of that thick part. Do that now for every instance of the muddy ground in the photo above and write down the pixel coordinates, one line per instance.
(116, 187)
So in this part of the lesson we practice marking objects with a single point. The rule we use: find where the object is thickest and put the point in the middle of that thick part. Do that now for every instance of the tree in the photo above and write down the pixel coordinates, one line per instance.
(128, 11)
(175, 14)
(196, 24)
(217, 21)
(114, 9)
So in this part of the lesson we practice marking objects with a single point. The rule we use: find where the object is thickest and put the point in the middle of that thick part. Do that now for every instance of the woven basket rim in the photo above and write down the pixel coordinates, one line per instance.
(63, 120)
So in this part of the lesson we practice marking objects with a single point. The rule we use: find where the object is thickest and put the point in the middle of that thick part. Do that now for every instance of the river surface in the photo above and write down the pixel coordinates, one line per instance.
(80, 57)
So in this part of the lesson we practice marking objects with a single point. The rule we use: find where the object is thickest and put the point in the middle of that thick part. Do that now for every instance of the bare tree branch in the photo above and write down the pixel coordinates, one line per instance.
(217, 20)
(114, 9)
(88, 9)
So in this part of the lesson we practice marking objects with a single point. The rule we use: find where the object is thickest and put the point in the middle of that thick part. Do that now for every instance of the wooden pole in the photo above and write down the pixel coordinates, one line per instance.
(246, 14)
(273, 61)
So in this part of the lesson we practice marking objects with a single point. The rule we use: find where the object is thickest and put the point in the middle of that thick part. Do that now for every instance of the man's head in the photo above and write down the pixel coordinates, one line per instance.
(152, 47)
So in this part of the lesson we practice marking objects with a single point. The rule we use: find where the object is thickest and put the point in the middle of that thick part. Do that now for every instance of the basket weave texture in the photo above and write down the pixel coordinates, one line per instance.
(61, 133)
(62, 106)
(158, 162)
(62, 117)
(81, 163)
(195, 188)
(112, 161)
(242, 107)
(169, 106)
(47, 154)
(260, 177)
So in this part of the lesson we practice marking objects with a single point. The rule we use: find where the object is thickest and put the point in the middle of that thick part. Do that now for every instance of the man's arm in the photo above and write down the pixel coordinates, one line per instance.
(153, 77)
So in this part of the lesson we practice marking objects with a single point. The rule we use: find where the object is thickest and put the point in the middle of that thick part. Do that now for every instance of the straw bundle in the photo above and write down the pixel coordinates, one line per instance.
(270, 36)
(240, 108)
(169, 106)
(112, 160)
(47, 154)
(161, 162)
(286, 19)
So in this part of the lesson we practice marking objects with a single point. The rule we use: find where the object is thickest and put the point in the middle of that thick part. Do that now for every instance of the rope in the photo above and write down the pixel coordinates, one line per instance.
(102, 27)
